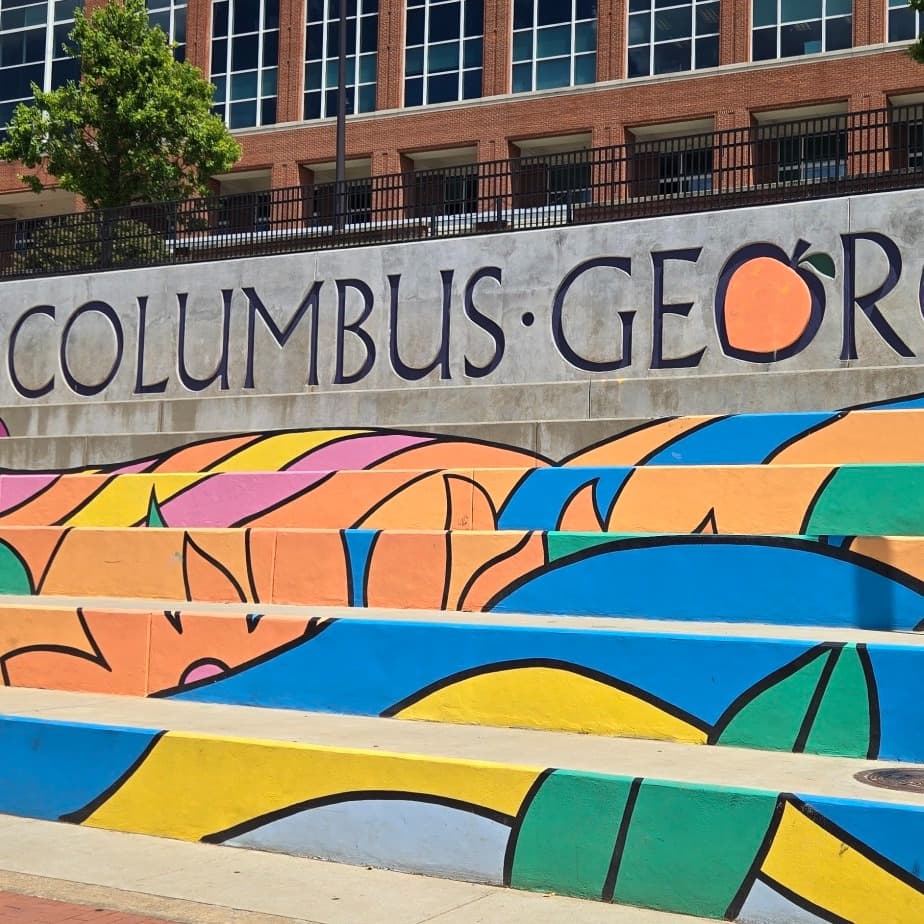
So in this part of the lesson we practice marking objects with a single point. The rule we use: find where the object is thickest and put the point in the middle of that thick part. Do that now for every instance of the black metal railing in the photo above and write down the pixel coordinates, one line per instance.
(769, 162)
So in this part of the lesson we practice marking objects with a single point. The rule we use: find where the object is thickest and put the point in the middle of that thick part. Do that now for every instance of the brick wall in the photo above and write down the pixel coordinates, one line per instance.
(728, 95)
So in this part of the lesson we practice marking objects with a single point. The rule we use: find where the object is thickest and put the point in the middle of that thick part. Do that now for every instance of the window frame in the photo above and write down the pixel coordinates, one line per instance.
(778, 26)
(652, 43)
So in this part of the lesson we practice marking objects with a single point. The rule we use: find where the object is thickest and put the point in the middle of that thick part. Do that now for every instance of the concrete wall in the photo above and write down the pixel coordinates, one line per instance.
(812, 286)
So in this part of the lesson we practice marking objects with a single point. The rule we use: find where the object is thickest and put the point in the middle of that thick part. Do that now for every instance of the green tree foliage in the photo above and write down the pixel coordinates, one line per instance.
(917, 49)
(137, 127)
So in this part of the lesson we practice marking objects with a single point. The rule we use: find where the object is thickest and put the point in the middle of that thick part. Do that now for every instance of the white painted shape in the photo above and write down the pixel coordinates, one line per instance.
(396, 834)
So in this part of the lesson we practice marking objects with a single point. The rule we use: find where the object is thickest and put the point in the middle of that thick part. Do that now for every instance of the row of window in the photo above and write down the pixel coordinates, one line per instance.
(554, 45)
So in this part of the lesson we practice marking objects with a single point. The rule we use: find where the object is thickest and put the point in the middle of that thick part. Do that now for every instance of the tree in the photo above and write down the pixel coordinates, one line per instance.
(917, 49)
(137, 126)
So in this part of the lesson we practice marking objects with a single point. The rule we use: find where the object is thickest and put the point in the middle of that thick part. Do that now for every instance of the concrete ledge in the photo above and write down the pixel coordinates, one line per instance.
(833, 696)
(726, 851)
(822, 500)
(861, 582)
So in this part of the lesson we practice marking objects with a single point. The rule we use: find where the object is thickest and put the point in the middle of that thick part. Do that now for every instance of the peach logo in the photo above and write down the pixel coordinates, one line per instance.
(769, 306)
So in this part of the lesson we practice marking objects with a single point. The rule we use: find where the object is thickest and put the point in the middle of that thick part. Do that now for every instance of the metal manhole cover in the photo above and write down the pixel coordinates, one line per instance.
(901, 778)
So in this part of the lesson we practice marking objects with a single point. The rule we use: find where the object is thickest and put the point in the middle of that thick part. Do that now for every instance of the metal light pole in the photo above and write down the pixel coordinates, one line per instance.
(341, 210)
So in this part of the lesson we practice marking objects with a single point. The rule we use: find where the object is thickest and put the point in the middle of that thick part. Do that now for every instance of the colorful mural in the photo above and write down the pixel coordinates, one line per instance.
(733, 854)
(219, 518)
(836, 698)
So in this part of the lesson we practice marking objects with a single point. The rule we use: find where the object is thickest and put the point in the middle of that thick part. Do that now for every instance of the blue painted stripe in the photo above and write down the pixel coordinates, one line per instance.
(745, 439)
(50, 769)
(358, 545)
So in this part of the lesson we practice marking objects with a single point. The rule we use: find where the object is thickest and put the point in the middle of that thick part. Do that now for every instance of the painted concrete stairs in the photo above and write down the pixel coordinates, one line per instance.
(645, 673)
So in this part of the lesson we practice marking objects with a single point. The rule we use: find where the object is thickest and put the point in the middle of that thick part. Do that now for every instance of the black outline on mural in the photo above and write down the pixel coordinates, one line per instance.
(657, 541)
(416, 479)
(96, 657)
(794, 898)
(32, 497)
(816, 816)
(248, 564)
(872, 687)
(40, 585)
(483, 568)
(569, 500)
(815, 498)
(787, 670)
(531, 793)
(79, 816)
(834, 417)
(753, 871)
(569, 667)
(818, 695)
(622, 836)
(356, 795)
(314, 627)
(7, 544)
(189, 542)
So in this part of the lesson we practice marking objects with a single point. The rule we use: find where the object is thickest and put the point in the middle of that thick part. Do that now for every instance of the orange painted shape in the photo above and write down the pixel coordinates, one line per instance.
(496, 485)
(580, 516)
(528, 554)
(56, 502)
(50, 648)
(117, 563)
(200, 457)
(210, 642)
(767, 306)
(310, 567)
(409, 570)
(341, 501)
(261, 550)
(449, 453)
(471, 553)
(438, 501)
(861, 436)
(35, 545)
(746, 499)
(905, 554)
(634, 446)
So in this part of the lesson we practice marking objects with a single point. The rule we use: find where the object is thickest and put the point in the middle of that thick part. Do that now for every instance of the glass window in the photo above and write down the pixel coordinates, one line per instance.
(554, 44)
(170, 15)
(31, 50)
(443, 51)
(245, 53)
(788, 28)
(904, 24)
(322, 48)
(803, 152)
(669, 36)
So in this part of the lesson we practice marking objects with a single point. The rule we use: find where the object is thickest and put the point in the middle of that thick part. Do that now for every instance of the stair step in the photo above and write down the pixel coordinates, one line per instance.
(718, 832)
(822, 437)
(210, 884)
(845, 693)
(860, 582)
(855, 500)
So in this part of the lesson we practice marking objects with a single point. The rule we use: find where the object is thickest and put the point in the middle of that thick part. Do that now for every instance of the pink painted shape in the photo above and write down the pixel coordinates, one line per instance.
(231, 497)
(356, 453)
(15, 489)
(202, 671)
(135, 467)
(4, 430)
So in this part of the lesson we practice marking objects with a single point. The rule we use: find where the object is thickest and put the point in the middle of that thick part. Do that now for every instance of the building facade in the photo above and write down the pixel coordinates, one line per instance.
(437, 84)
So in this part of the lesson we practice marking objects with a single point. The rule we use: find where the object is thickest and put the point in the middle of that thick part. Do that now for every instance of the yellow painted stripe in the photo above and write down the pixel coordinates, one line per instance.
(193, 785)
(546, 697)
(124, 501)
(833, 875)
(275, 452)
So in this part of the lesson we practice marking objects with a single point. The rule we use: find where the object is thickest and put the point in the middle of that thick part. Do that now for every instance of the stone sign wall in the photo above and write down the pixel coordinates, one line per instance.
(817, 285)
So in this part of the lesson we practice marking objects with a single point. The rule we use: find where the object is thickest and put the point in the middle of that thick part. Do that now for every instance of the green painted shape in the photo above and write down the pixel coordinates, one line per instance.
(561, 545)
(14, 576)
(689, 848)
(823, 263)
(842, 725)
(565, 843)
(154, 518)
(871, 500)
(773, 717)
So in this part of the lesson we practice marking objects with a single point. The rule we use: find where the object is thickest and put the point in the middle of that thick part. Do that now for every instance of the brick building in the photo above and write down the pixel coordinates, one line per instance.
(435, 85)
